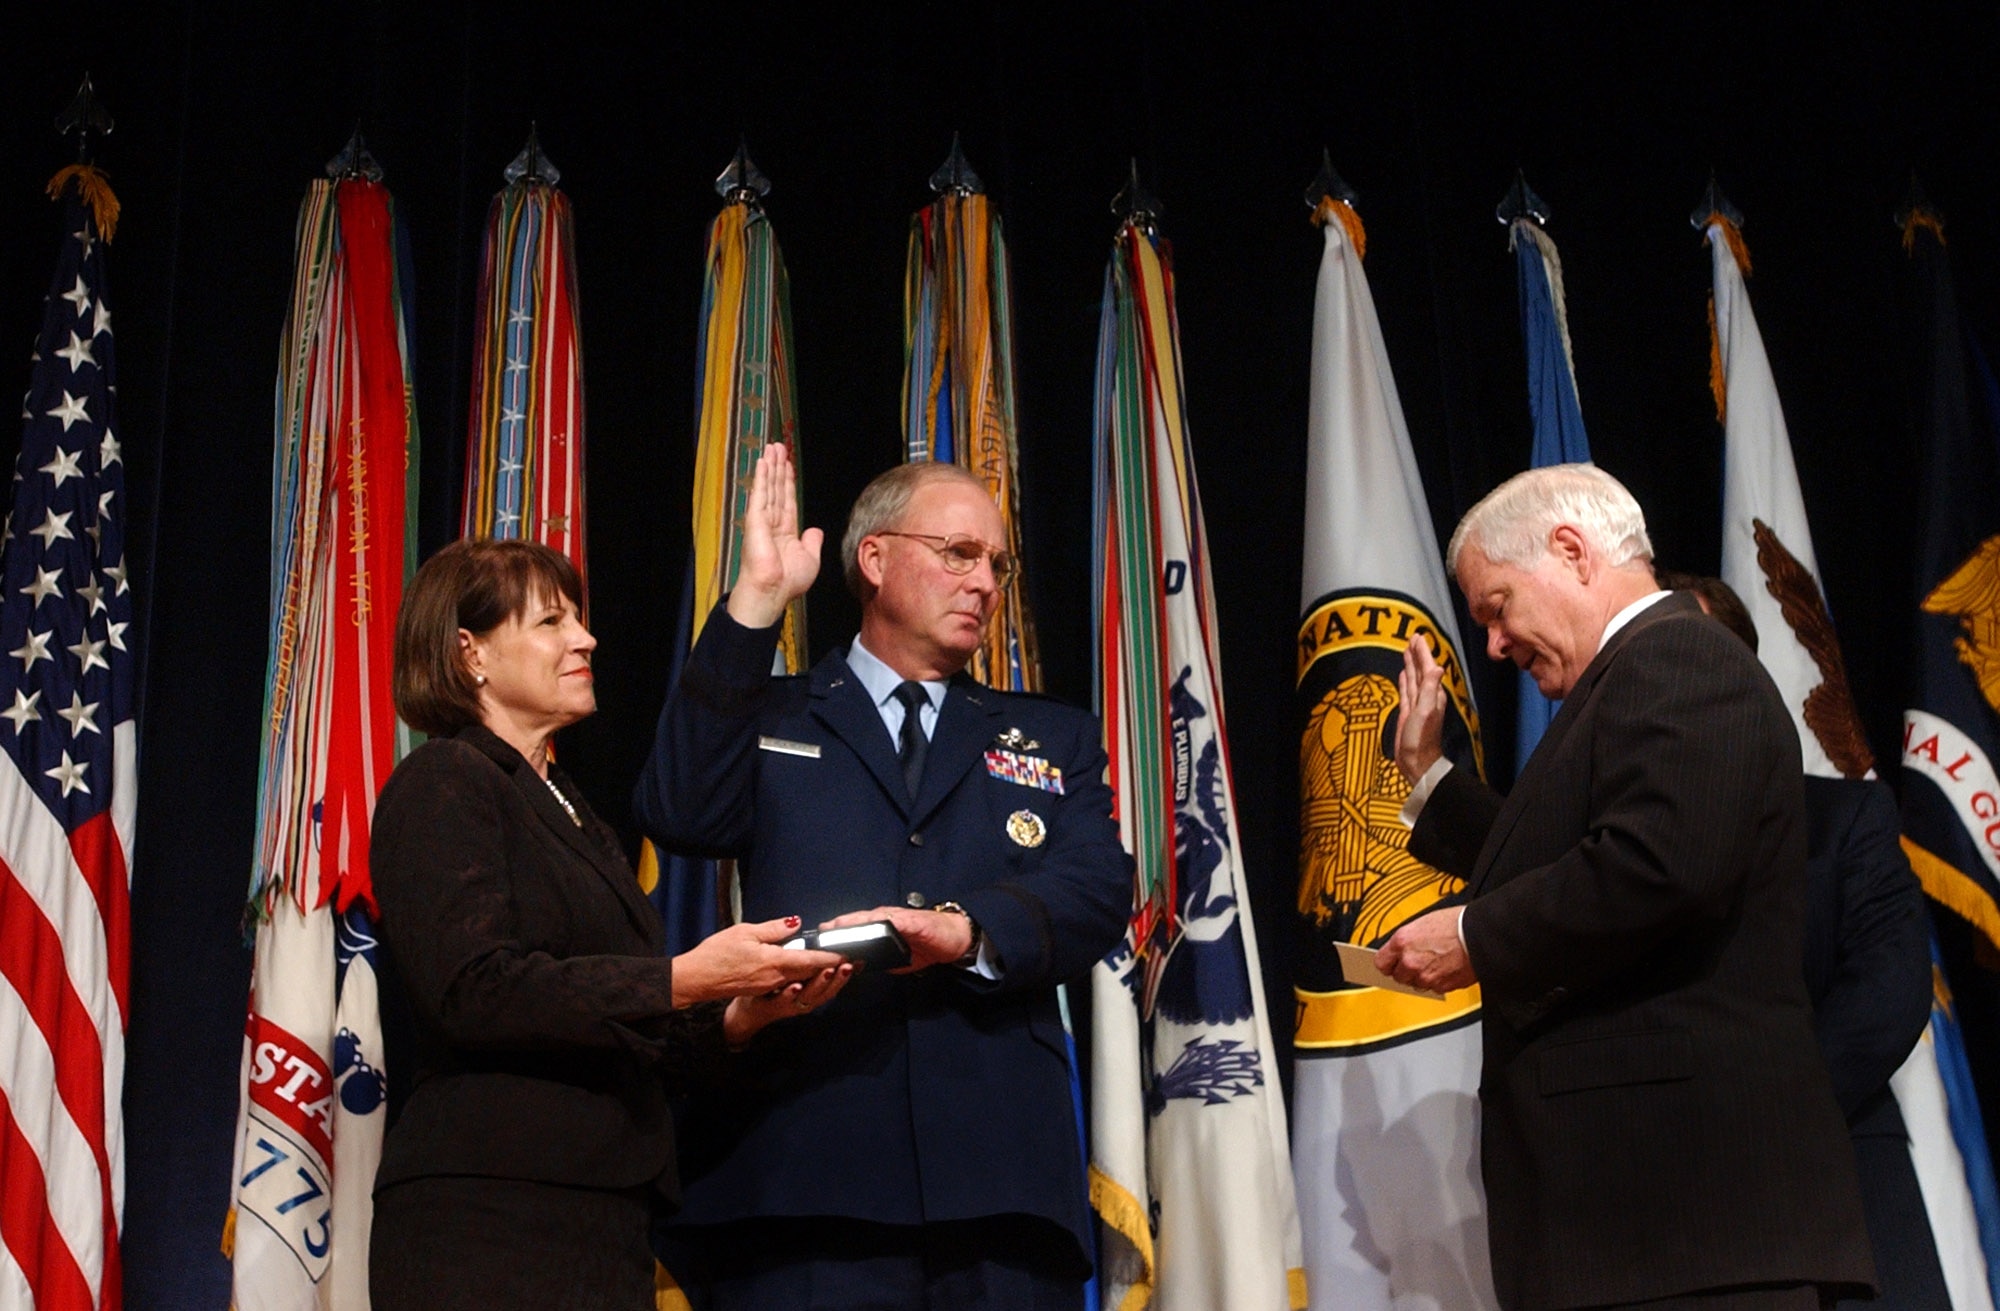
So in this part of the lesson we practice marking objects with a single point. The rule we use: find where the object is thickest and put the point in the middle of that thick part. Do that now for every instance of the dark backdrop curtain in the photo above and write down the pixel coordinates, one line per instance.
(1617, 113)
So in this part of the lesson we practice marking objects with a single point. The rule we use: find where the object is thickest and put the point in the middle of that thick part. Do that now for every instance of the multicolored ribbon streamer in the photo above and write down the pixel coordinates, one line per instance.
(343, 542)
(746, 400)
(524, 440)
(958, 390)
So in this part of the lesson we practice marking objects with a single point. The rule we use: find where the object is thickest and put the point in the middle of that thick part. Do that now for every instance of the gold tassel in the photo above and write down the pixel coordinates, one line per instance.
(1929, 222)
(1357, 235)
(1717, 383)
(95, 189)
(229, 1235)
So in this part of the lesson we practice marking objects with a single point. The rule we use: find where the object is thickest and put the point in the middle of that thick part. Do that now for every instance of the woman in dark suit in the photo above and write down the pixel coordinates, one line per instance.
(536, 1145)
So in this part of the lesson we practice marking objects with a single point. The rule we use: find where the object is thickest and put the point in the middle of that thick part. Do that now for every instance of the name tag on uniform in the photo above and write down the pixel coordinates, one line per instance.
(785, 747)
(1028, 771)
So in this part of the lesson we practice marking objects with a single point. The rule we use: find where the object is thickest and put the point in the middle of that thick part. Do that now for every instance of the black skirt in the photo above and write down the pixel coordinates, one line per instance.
(439, 1244)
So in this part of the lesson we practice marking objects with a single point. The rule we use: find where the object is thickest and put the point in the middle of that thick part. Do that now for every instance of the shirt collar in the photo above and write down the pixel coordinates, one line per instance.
(1629, 613)
(881, 681)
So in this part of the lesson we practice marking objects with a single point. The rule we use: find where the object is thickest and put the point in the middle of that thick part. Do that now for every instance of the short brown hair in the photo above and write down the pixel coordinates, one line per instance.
(882, 503)
(476, 584)
(1717, 597)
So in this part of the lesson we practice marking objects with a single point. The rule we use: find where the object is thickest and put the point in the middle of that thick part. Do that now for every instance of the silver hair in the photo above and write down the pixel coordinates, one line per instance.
(882, 504)
(1511, 524)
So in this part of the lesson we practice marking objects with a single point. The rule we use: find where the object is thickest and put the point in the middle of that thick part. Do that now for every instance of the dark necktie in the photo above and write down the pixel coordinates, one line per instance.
(913, 745)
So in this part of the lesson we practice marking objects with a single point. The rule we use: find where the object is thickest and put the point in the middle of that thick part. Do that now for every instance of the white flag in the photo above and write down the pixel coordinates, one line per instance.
(1190, 1170)
(1767, 550)
(1385, 1109)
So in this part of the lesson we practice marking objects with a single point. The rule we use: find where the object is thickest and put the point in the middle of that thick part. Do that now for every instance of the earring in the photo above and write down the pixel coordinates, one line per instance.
(479, 680)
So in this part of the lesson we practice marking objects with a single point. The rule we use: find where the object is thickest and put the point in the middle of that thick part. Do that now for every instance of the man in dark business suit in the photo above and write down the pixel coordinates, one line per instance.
(1657, 1126)
(913, 1146)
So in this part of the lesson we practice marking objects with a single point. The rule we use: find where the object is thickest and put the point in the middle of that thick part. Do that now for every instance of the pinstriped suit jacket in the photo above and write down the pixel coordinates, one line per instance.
(1656, 1117)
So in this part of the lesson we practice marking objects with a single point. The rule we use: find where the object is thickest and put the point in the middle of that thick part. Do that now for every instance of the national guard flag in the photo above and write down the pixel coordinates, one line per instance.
(1385, 1112)
(1189, 1168)
(67, 793)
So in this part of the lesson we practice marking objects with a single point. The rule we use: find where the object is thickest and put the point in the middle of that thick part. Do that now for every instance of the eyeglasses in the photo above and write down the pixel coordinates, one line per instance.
(962, 554)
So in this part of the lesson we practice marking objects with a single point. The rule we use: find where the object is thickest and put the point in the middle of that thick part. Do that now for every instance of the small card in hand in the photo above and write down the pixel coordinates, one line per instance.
(876, 945)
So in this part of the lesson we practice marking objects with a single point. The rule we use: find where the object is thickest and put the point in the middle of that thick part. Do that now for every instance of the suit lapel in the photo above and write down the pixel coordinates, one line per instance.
(1573, 707)
(842, 705)
(542, 803)
(964, 727)
(610, 865)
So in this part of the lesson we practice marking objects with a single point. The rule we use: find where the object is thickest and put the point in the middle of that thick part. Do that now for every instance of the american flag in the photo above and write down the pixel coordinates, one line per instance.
(67, 795)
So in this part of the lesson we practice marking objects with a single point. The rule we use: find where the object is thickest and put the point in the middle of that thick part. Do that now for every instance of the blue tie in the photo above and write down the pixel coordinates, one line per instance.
(912, 746)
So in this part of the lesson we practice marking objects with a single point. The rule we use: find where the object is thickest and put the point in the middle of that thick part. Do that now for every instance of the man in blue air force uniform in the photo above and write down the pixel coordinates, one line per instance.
(914, 1144)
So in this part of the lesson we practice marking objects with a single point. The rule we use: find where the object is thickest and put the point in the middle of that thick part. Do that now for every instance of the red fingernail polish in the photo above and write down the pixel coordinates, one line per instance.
(791, 921)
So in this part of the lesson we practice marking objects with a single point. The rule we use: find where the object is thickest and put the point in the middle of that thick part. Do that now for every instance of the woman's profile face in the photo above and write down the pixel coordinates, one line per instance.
(537, 666)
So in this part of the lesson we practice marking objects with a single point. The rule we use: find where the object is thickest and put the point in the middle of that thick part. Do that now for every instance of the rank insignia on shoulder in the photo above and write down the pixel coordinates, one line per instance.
(1028, 771)
(1027, 828)
(1015, 740)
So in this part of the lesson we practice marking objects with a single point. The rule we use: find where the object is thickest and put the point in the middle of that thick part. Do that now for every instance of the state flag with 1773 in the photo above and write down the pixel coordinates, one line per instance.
(67, 794)
(311, 1118)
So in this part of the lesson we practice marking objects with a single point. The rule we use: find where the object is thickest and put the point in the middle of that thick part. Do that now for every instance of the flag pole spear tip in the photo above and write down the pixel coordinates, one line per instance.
(1521, 202)
(955, 175)
(85, 114)
(1136, 204)
(1328, 183)
(531, 165)
(1713, 202)
(742, 183)
(354, 162)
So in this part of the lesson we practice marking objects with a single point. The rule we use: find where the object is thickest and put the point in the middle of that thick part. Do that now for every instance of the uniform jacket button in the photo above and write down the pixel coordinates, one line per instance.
(916, 839)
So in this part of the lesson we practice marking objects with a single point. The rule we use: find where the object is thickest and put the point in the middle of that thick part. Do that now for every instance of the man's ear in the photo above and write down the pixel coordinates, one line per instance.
(869, 559)
(1571, 549)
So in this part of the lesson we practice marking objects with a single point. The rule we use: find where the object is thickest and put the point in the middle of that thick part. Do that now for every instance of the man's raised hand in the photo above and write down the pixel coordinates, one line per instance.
(1420, 724)
(779, 562)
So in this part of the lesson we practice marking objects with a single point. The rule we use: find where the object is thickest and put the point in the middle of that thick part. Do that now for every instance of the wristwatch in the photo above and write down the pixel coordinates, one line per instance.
(971, 956)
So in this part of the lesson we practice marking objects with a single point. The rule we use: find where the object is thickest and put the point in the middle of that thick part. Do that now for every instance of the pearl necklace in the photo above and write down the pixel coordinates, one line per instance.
(563, 801)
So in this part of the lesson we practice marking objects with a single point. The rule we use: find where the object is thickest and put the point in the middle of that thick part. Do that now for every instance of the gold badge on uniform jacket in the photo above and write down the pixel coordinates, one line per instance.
(1027, 828)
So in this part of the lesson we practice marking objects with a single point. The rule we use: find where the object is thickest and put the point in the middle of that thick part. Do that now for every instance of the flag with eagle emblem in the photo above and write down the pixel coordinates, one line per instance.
(1767, 550)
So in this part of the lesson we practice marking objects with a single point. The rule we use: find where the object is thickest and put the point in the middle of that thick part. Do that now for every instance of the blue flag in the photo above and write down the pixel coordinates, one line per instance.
(1951, 721)
(1559, 435)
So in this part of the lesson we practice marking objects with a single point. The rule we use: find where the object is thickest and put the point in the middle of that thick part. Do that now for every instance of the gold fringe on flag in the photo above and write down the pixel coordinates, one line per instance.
(1357, 236)
(1926, 220)
(1717, 382)
(95, 188)
(1734, 236)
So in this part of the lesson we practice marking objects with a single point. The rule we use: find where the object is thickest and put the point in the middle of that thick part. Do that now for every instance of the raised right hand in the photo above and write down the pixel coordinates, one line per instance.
(779, 562)
(1420, 722)
(744, 960)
